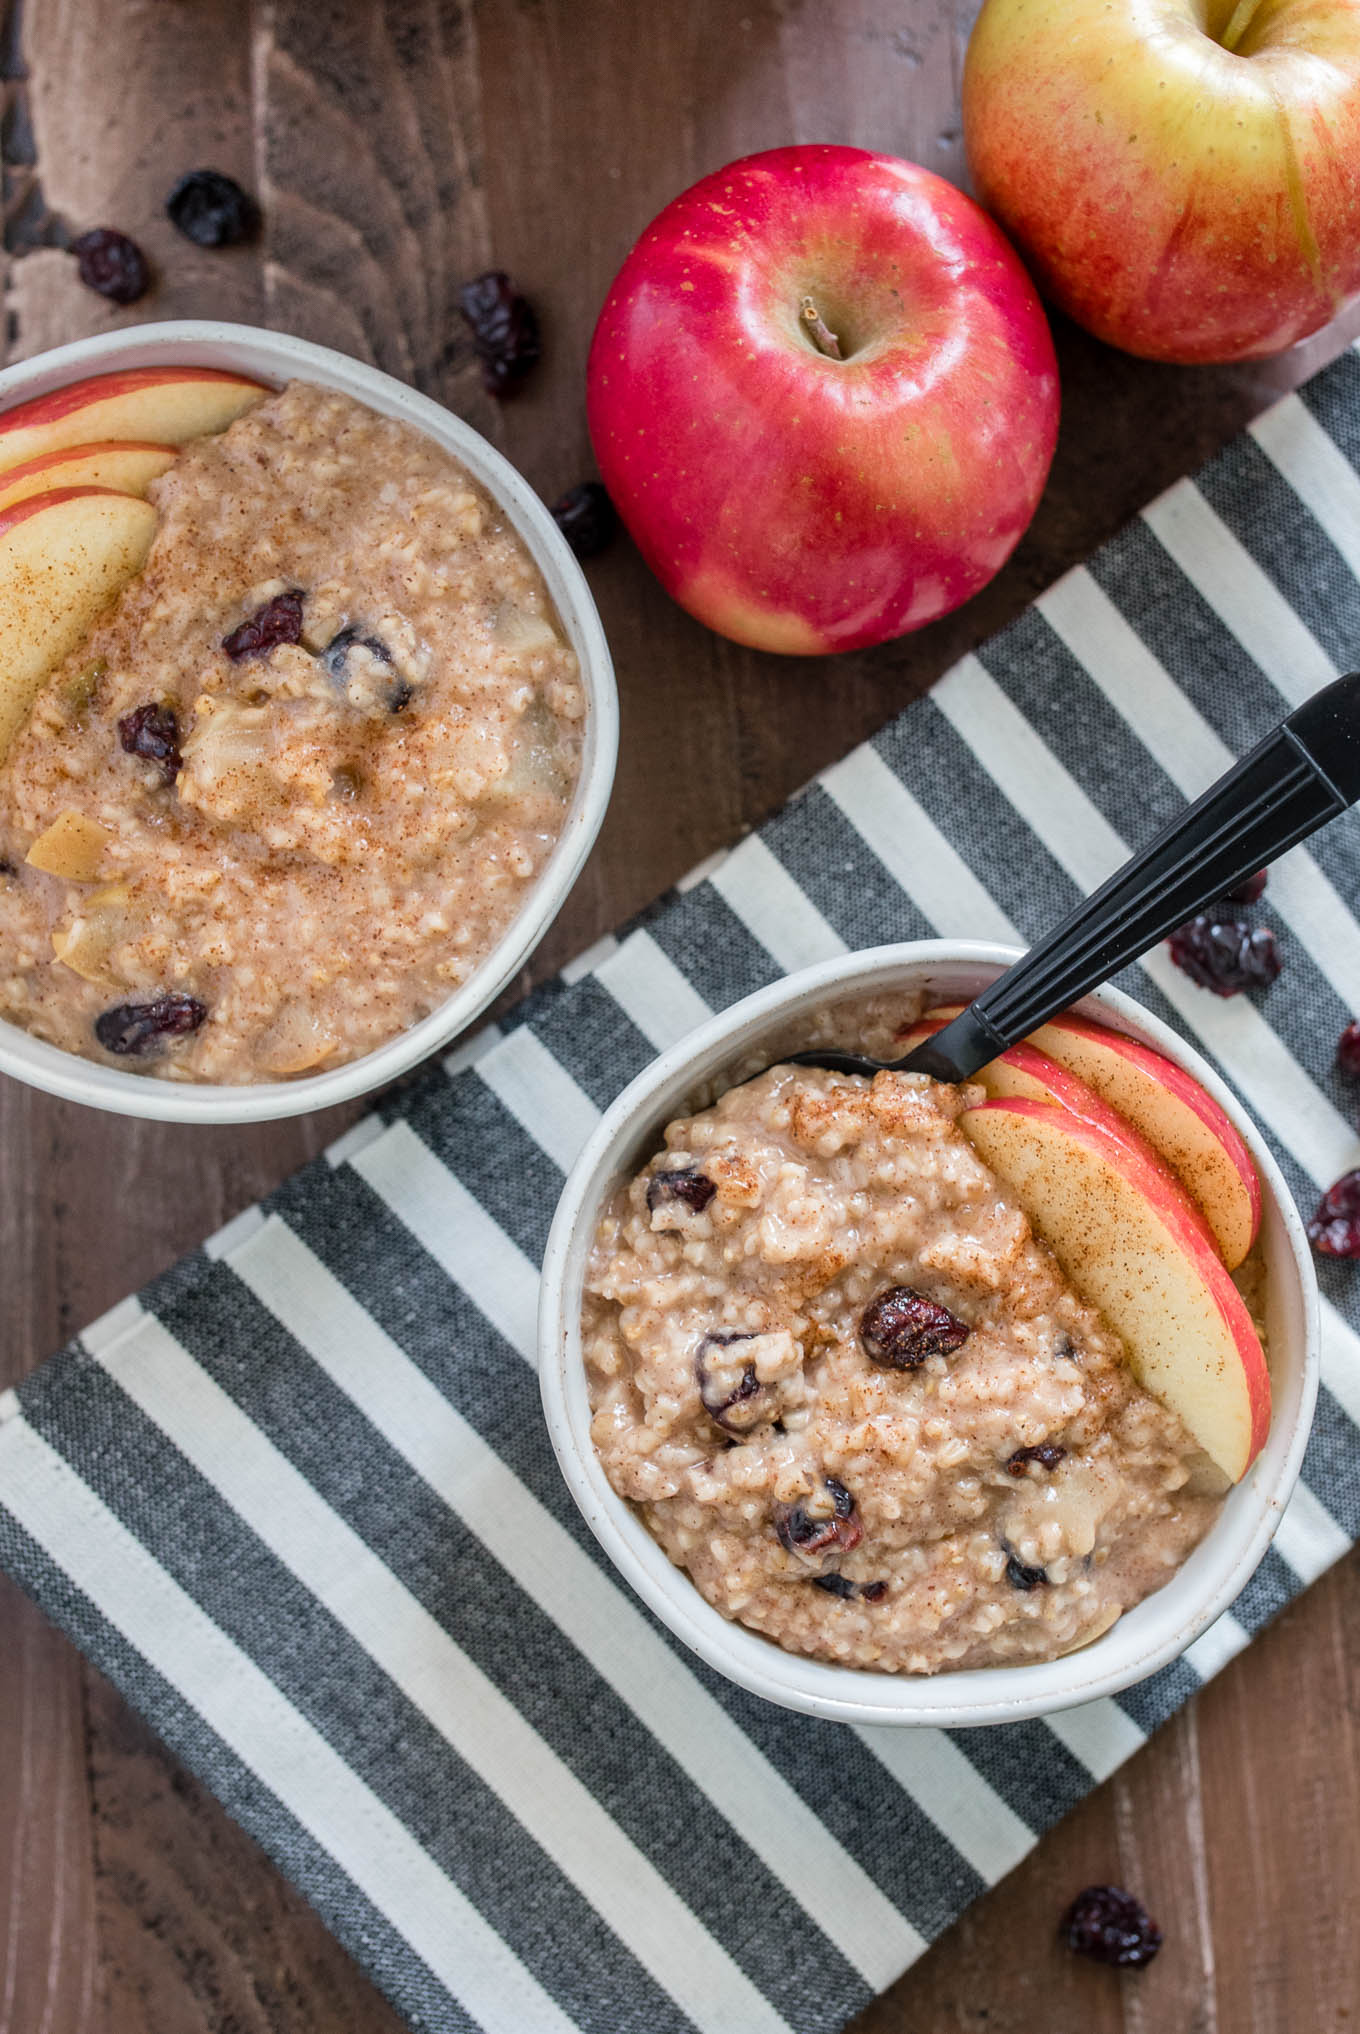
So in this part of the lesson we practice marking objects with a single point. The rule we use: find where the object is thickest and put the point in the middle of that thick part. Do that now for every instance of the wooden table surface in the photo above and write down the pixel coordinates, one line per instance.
(396, 149)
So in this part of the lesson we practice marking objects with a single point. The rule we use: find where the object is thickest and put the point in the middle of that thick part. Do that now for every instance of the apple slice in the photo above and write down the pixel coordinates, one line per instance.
(63, 558)
(129, 467)
(72, 847)
(1125, 1234)
(1025, 1071)
(169, 405)
(1171, 1109)
(1167, 1106)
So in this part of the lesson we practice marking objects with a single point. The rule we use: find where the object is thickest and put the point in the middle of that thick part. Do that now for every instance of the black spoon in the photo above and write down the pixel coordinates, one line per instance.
(1303, 774)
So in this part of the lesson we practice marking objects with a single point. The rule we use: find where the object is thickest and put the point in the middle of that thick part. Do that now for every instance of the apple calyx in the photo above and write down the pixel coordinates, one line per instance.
(821, 335)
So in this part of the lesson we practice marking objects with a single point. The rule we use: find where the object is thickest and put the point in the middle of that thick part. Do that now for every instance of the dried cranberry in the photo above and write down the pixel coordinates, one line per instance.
(1249, 891)
(348, 672)
(1109, 1925)
(900, 1328)
(278, 621)
(1047, 1455)
(1021, 1577)
(798, 1532)
(739, 1410)
(505, 333)
(211, 209)
(112, 265)
(336, 654)
(138, 1028)
(1348, 1050)
(842, 1586)
(587, 518)
(152, 732)
(690, 1188)
(1335, 1229)
(1224, 956)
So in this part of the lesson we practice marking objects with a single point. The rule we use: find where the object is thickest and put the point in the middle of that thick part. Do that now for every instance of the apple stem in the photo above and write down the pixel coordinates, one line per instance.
(1239, 21)
(820, 334)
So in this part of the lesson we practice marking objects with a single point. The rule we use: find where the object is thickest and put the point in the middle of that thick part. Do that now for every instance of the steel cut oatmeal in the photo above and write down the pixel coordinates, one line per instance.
(857, 1399)
(306, 769)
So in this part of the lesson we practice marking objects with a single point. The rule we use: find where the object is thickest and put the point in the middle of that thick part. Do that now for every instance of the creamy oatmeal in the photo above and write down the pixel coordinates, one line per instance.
(857, 1399)
(299, 780)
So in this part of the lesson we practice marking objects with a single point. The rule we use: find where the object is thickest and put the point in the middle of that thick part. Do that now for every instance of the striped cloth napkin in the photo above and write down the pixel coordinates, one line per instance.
(296, 1499)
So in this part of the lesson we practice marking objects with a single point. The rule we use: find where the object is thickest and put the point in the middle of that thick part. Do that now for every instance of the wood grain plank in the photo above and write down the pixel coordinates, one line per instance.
(197, 1931)
(50, 1978)
(122, 99)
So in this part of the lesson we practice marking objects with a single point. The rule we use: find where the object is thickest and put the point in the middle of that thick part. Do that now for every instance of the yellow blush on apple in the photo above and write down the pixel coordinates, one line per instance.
(1181, 176)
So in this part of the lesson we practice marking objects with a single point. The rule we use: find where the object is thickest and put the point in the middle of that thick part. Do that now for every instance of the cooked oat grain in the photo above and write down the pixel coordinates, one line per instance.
(732, 1390)
(342, 838)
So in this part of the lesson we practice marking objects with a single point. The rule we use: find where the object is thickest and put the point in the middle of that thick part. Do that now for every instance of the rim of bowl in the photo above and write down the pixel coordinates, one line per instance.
(1149, 1636)
(278, 357)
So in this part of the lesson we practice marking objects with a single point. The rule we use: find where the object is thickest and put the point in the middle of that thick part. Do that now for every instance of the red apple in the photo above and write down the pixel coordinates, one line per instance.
(1183, 176)
(1123, 1232)
(824, 398)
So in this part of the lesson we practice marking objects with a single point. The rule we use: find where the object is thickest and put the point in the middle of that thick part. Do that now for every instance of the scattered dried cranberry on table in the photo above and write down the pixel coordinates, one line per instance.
(587, 518)
(1335, 1228)
(1224, 956)
(1110, 1926)
(112, 265)
(1348, 1050)
(900, 1328)
(211, 209)
(132, 1029)
(278, 621)
(152, 732)
(505, 335)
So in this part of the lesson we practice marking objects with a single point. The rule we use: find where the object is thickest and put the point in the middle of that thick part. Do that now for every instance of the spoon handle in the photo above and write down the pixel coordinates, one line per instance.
(1303, 774)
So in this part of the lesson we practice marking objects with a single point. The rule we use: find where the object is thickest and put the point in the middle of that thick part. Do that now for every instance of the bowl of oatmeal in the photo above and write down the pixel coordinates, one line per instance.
(315, 780)
(842, 1414)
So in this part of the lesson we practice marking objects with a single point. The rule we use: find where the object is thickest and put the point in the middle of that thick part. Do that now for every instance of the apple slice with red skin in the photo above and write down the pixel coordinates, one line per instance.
(128, 465)
(1123, 1233)
(64, 557)
(1166, 1106)
(1022, 1070)
(169, 405)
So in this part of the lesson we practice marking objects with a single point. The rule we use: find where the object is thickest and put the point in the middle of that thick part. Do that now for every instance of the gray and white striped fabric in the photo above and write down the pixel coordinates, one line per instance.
(296, 1499)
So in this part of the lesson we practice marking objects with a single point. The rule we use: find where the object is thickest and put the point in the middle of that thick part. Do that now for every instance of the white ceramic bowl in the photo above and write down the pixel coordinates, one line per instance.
(1143, 1640)
(275, 357)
